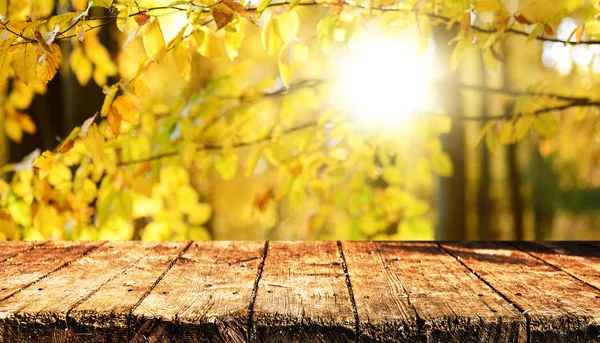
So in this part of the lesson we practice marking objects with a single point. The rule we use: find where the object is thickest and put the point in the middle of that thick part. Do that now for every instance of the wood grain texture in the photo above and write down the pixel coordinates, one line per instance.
(41, 312)
(32, 265)
(105, 314)
(581, 260)
(11, 249)
(559, 307)
(384, 312)
(203, 298)
(302, 295)
(452, 304)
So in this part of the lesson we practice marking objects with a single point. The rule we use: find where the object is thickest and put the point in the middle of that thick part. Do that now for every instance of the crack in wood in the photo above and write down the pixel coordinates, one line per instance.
(78, 302)
(350, 291)
(250, 327)
(129, 329)
(523, 312)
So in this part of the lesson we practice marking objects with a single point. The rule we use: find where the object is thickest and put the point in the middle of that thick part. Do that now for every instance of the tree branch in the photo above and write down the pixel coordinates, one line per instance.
(206, 8)
(217, 147)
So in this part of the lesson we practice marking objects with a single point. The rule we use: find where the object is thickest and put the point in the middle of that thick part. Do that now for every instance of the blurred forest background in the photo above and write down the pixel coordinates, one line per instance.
(394, 174)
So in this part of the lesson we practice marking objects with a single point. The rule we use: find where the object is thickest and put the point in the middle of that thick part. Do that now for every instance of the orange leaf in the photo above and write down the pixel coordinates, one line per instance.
(114, 122)
(50, 63)
(521, 19)
(126, 108)
(222, 14)
(141, 18)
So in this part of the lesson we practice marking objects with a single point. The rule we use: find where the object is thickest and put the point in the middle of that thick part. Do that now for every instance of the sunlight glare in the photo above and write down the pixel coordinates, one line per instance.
(386, 80)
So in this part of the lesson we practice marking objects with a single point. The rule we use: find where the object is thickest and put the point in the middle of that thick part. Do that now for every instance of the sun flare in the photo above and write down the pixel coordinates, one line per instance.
(386, 80)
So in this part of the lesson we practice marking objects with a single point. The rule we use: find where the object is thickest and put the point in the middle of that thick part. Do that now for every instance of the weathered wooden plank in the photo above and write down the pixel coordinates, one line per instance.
(559, 307)
(579, 259)
(104, 316)
(41, 311)
(203, 298)
(302, 295)
(384, 311)
(12, 249)
(30, 266)
(452, 304)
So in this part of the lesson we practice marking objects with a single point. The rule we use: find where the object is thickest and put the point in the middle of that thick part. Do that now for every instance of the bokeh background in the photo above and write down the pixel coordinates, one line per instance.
(537, 188)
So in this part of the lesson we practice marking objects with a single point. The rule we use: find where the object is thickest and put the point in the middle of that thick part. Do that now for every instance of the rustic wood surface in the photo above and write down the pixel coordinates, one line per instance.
(299, 292)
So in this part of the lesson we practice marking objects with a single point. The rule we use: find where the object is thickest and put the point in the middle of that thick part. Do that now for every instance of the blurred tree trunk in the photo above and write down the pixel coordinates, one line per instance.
(514, 176)
(516, 203)
(452, 202)
(484, 204)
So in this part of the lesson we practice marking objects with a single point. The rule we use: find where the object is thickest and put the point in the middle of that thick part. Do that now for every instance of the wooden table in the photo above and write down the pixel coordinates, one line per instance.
(299, 292)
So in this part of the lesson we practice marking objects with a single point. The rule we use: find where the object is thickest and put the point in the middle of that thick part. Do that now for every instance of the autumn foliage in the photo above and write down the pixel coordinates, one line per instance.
(139, 167)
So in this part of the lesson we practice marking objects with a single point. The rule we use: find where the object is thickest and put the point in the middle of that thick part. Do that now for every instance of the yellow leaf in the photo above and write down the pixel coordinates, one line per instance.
(24, 62)
(13, 130)
(26, 122)
(122, 18)
(506, 132)
(284, 62)
(5, 45)
(141, 87)
(127, 109)
(49, 65)
(183, 59)
(44, 162)
(545, 124)
(81, 66)
(288, 25)
(270, 37)
(592, 27)
(142, 185)
(226, 165)
(94, 143)
(211, 46)
(200, 214)
(233, 41)
(111, 93)
(252, 160)
(154, 41)
(491, 142)
(522, 126)
(442, 164)
(102, 3)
